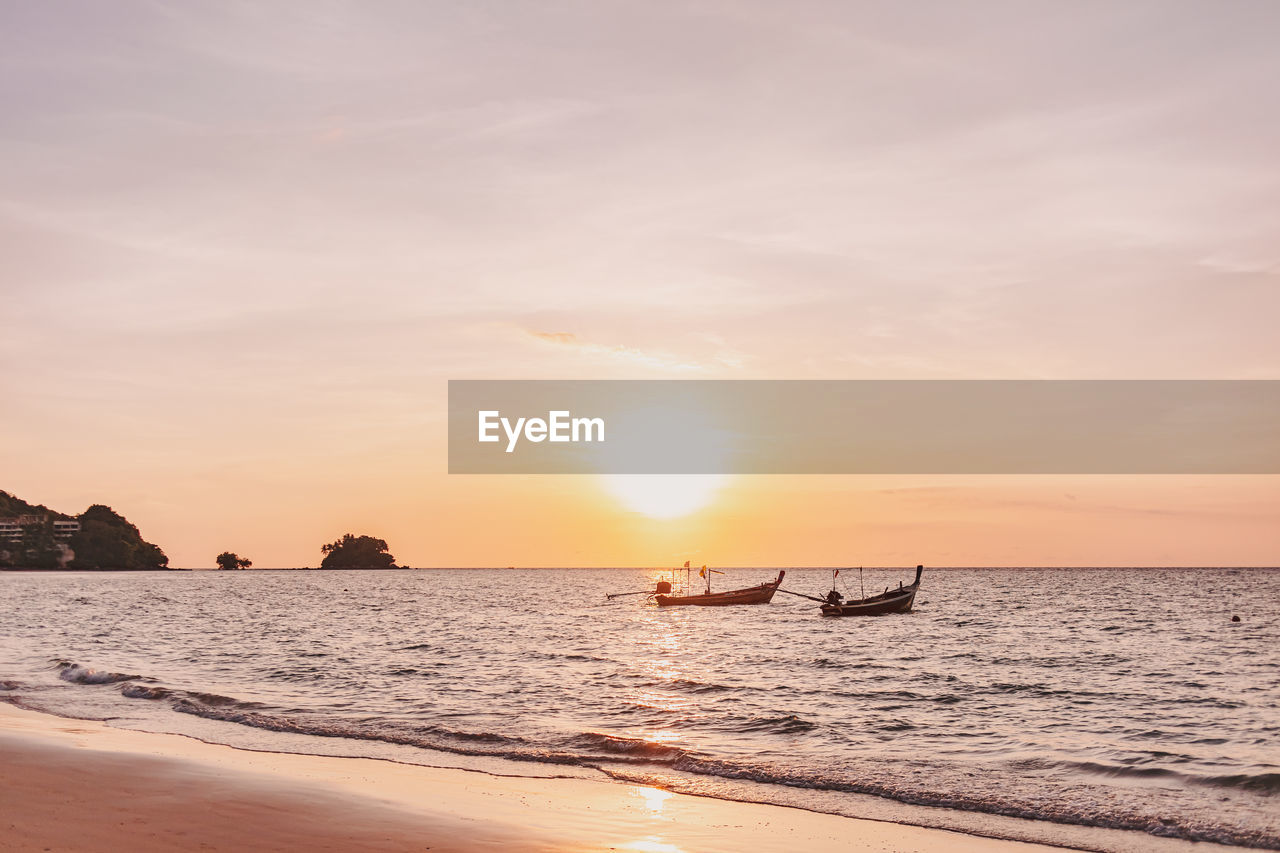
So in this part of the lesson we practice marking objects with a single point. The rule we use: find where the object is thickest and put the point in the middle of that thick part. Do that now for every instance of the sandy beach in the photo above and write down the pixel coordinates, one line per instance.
(83, 786)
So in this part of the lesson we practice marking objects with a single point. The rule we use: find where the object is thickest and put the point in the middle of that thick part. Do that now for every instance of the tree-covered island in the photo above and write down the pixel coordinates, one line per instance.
(357, 552)
(228, 561)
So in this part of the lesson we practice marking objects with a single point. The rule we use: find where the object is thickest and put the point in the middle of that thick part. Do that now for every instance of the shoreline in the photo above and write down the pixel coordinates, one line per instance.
(71, 784)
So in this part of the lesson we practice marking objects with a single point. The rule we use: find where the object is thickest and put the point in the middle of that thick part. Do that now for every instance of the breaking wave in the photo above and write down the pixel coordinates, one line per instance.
(626, 758)
(77, 674)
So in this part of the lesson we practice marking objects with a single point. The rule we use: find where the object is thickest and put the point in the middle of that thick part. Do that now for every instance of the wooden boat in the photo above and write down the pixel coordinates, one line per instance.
(890, 601)
(761, 594)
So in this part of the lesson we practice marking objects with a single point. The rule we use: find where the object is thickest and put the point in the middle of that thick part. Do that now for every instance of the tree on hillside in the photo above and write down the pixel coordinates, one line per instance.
(11, 505)
(228, 561)
(357, 552)
(108, 541)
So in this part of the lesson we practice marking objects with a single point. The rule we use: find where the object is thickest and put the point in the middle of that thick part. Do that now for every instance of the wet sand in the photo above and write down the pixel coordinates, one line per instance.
(73, 785)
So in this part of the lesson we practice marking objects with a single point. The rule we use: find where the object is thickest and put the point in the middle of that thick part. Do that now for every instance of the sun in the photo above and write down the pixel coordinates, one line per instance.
(664, 495)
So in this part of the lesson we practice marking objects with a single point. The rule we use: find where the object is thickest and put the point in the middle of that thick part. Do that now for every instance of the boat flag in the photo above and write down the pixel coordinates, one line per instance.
(837, 574)
(702, 572)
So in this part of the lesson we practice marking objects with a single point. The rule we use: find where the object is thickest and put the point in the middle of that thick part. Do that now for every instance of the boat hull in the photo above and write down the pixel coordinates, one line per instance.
(762, 594)
(895, 603)
(899, 600)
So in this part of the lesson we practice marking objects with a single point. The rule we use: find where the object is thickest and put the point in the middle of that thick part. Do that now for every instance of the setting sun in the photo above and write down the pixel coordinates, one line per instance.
(664, 495)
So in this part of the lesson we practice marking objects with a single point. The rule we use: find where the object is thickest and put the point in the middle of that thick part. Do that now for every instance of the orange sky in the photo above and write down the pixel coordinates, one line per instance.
(245, 248)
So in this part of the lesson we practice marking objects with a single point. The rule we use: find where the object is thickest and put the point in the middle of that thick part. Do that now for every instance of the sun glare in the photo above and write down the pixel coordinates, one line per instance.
(664, 495)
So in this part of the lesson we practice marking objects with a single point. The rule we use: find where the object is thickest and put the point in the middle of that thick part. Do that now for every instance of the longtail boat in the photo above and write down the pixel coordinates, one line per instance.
(890, 601)
(761, 594)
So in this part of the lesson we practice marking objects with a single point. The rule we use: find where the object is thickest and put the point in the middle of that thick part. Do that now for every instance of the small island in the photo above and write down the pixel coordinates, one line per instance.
(228, 561)
(357, 552)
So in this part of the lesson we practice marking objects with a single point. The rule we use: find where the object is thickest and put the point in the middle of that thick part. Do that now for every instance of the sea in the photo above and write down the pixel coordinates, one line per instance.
(1104, 709)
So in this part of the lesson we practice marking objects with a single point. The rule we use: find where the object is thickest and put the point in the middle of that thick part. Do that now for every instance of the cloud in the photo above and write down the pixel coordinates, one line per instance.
(566, 338)
(619, 352)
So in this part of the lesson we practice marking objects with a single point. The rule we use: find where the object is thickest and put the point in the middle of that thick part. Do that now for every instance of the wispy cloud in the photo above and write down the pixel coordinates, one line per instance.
(619, 352)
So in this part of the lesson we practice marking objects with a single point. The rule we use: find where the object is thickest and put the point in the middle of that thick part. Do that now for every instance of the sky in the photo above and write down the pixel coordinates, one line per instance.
(243, 247)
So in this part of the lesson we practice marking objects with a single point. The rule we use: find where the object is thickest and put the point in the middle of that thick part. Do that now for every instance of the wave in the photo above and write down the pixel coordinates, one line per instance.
(143, 691)
(1266, 783)
(977, 802)
(785, 724)
(425, 737)
(77, 674)
(613, 745)
(624, 758)
(1124, 770)
(586, 749)
(688, 685)
(131, 688)
(633, 759)
(474, 737)
(577, 657)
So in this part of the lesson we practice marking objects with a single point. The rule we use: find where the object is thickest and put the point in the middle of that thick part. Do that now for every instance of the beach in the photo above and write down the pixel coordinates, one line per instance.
(81, 785)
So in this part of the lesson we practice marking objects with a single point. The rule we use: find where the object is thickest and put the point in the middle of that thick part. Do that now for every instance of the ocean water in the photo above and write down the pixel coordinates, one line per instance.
(1112, 698)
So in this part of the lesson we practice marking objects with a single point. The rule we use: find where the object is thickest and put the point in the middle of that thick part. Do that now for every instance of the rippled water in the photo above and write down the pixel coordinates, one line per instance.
(1107, 697)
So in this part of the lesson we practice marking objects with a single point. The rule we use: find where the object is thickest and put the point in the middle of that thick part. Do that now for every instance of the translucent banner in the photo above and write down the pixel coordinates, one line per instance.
(864, 427)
